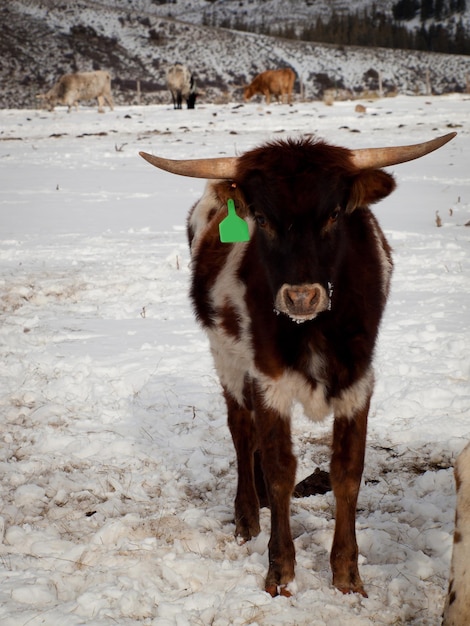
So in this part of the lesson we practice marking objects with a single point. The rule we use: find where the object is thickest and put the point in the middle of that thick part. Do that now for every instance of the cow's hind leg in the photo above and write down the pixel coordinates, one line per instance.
(242, 429)
(347, 464)
(109, 101)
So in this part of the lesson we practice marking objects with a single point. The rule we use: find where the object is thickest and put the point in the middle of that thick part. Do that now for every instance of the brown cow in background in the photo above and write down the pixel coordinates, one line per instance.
(272, 83)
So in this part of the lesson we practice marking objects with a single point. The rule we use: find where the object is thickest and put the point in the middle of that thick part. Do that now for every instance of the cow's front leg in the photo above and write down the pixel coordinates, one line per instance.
(100, 104)
(242, 429)
(347, 464)
(279, 465)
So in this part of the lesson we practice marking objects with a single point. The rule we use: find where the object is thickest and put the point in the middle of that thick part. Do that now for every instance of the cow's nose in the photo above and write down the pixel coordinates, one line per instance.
(303, 299)
(301, 302)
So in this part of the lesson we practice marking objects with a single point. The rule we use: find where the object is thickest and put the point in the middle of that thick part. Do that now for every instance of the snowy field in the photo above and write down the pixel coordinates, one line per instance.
(117, 471)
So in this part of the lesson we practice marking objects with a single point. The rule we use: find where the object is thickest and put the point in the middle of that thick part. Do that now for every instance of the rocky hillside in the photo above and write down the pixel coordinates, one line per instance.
(136, 41)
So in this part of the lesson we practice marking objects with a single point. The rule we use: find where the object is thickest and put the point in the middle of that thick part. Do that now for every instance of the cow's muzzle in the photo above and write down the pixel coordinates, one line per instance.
(302, 302)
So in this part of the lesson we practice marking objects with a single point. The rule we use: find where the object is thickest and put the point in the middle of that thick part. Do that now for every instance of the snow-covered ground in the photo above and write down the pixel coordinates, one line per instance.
(117, 471)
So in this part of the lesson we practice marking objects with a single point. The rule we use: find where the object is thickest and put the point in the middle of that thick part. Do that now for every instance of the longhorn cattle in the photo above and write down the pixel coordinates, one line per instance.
(457, 607)
(182, 86)
(278, 83)
(71, 88)
(292, 316)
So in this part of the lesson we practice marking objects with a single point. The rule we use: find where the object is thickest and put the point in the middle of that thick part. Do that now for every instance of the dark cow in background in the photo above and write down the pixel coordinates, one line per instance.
(292, 315)
(71, 88)
(182, 86)
(457, 608)
(277, 83)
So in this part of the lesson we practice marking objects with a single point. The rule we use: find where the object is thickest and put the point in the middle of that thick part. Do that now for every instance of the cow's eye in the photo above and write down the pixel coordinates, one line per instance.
(333, 217)
(261, 220)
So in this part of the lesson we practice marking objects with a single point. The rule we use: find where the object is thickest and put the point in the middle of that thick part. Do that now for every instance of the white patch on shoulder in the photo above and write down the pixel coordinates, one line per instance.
(233, 356)
(232, 359)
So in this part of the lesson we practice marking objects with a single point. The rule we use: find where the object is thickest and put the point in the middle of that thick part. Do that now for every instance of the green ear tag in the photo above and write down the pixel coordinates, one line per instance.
(233, 228)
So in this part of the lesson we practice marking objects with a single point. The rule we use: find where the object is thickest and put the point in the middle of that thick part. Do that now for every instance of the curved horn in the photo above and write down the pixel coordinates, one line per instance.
(223, 167)
(366, 158)
(363, 158)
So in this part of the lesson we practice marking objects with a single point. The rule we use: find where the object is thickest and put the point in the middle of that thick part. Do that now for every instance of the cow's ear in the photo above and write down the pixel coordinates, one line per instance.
(369, 186)
(226, 190)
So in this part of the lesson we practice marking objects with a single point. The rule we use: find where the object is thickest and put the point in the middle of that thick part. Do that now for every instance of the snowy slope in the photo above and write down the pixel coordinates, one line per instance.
(42, 40)
(263, 12)
(117, 470)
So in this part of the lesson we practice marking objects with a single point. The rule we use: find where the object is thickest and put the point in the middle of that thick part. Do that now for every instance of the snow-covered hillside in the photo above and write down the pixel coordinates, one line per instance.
(117, 473)
(136, 41)
(263, 12)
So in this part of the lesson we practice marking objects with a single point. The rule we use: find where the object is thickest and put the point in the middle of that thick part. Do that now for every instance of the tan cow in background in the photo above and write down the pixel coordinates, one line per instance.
(71, 88)
(272, 83)
(182, 85)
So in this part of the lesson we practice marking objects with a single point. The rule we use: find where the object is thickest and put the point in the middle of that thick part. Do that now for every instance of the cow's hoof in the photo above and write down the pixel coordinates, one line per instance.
(245, 531)
(278, 590)
(353, 589)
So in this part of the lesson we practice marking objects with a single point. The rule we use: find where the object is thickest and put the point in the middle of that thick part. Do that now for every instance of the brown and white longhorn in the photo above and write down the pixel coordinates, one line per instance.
(316, 254)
